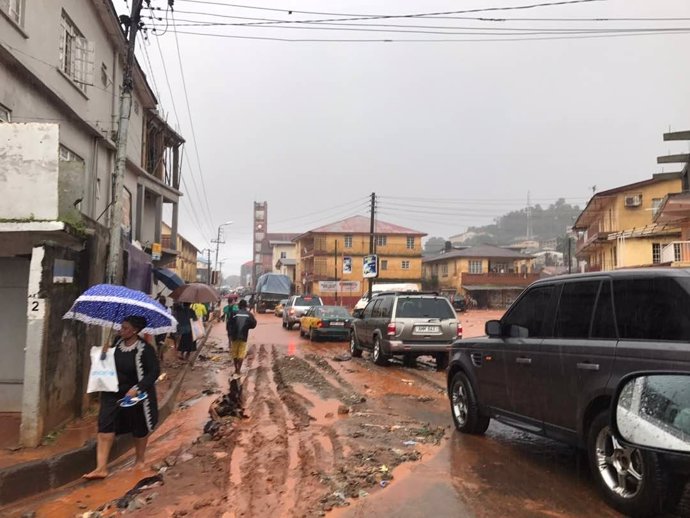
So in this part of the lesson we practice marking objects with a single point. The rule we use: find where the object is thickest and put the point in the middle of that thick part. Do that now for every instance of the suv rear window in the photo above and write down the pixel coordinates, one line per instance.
(307, 301)
(424, 307)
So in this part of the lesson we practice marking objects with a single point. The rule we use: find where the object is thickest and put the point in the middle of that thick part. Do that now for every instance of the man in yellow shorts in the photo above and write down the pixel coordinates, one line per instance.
(241, 321)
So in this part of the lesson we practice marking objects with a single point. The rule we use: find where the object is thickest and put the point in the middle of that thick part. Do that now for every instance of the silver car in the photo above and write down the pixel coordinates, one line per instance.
(296, 306)
(408, 325)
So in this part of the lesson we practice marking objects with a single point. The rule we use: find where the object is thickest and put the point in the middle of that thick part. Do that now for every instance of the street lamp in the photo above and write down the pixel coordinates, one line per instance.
(217, 240)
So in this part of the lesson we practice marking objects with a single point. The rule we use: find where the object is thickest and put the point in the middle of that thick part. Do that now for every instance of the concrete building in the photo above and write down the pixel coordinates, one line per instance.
(617, 228)
(323, 270)
(185, 264)
(492, 275)
(61, 65)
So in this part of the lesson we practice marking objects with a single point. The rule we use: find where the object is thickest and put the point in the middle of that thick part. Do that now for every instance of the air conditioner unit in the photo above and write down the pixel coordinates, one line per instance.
(633, 201)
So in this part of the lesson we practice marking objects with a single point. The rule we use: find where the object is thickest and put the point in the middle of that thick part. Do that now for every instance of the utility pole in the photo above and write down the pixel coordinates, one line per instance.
(210, 279)
(371, 238)
(335, 270)
(113, 274)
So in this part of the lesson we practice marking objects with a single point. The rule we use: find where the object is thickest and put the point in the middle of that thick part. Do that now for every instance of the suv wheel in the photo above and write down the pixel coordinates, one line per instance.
(312, 335)
(377, 354)
(355, 351)
(629, 479)
(464, 406)
(284, 324)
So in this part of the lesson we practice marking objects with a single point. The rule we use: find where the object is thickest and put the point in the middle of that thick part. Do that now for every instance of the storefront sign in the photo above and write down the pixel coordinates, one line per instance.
(370, 267)
(341, 286)
(347, 265)
(156, 251)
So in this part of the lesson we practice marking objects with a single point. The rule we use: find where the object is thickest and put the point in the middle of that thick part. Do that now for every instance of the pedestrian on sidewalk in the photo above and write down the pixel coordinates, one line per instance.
(201, 311)
(186, 344)
(239, 325)
(137, 367)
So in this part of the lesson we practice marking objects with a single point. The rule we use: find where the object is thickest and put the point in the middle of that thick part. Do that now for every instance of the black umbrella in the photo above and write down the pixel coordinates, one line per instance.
(169, 278)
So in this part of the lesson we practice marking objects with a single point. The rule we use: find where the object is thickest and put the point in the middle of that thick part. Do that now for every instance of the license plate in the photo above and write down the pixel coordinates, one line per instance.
(420, 330)
(338, 324)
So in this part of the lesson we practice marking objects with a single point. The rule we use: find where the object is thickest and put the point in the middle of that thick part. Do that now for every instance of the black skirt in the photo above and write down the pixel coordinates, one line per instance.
(139, 420)
(187, 344)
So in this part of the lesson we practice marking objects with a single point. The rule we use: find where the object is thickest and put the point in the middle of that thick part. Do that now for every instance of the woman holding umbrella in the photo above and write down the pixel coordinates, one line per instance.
(134, 408)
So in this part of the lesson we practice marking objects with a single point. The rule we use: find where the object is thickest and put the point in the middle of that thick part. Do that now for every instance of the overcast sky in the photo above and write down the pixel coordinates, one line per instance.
(314, 127)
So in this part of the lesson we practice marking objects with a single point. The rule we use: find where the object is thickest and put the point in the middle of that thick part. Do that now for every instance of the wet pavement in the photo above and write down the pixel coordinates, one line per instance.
(296, 447)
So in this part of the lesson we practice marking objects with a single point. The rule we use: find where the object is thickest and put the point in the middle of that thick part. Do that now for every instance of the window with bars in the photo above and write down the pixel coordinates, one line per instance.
(410, 243)
(348, 241)
(656, 253)
(384, 264)
(14, 9)
(67, 155)
(405, 265)
(76, 54)
(444, 270)
(475, 267)
(656, 204)
(381, 240)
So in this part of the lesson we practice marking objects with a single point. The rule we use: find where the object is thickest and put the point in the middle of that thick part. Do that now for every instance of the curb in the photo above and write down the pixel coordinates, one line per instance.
(31, 478)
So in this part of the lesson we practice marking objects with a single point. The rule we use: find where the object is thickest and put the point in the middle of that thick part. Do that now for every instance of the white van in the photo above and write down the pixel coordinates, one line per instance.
(380, 288)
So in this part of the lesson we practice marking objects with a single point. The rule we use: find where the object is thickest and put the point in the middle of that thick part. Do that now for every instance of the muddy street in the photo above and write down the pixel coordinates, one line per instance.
(325, 434)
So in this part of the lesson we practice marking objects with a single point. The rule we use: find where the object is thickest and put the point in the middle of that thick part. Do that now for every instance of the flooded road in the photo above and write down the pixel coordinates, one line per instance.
(342, 439)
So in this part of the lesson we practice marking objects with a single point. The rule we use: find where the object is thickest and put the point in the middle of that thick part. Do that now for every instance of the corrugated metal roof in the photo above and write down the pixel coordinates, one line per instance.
(361, 225)
(479, 251)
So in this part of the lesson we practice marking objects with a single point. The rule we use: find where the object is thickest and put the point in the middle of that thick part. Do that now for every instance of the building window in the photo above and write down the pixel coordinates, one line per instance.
(76, 53)
(656, 203)
(67, 155)
(14, 9)
(348, 241)
(384, 264)
(410, 243)
(283, 255)
(676, 252)
(444, 270)
(381, 240)
(4, 113)
(656, 253)
(406, 265)
(475, 267)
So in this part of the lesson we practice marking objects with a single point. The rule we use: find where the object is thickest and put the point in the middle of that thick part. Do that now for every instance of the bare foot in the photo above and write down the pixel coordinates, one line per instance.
(96, 475)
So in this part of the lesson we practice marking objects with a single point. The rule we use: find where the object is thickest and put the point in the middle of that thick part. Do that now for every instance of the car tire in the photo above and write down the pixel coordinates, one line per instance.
(284, 324)
(312, 335)
(355, 350)
(629, 479)
(301, 331)
(377, 353)
(409, 360)
(464, 406)
(442, 360)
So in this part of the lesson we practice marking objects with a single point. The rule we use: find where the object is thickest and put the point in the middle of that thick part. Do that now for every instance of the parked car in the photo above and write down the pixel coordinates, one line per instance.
(459, 303)
(296, 306)
(278, 311)
(405, 324)
(551, 365)
(325, 322)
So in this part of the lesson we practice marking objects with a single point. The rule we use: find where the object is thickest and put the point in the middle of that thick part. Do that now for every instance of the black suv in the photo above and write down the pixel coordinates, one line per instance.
(409, 324)
(551, 365)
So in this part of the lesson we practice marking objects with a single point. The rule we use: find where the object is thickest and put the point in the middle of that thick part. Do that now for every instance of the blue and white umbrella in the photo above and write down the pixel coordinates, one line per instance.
(108, 304)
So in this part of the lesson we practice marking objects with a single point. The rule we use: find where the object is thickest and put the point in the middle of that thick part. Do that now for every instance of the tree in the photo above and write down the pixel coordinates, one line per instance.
(434, 245)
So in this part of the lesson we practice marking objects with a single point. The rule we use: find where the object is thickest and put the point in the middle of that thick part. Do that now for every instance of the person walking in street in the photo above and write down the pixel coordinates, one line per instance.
(186, 344)
(137, 367)
(239, 325)
(201, 310)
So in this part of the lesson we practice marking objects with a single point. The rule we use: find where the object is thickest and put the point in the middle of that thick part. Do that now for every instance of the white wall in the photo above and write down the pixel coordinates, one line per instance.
(14, 278)
(30, 169)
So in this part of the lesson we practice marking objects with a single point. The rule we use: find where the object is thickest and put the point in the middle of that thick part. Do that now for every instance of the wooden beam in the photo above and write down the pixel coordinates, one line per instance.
(673, 159)
(677, 135)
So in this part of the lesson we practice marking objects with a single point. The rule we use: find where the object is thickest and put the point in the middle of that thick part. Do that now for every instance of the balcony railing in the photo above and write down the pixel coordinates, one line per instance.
(499, 279)
(591, 236)
(676, 252)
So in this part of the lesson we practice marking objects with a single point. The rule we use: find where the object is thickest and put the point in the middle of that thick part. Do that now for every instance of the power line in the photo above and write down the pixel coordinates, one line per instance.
(191, 123)
(425, 40)
(355, 17)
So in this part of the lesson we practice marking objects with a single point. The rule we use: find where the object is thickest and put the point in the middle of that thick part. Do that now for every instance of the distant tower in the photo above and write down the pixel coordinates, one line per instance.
(260, 224)
(529, 217)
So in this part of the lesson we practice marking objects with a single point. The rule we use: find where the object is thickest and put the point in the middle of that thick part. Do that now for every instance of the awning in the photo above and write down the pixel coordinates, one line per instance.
(169, 278)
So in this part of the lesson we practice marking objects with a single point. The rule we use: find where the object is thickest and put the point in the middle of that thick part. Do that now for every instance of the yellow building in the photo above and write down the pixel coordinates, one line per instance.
(617, 228)
(330, 258)
(186, 260)
(491, 275)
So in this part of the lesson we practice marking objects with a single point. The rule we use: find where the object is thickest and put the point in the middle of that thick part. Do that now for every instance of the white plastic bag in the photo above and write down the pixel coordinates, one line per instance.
(198, 330)
(103, 376)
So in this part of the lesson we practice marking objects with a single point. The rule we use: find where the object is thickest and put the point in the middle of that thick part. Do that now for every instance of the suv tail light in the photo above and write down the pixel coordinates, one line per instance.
(390, 330)
(320, 324)
(459, 330)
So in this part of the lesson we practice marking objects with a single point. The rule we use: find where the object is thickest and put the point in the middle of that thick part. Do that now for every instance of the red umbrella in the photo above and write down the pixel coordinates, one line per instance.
(195, 292)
